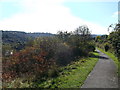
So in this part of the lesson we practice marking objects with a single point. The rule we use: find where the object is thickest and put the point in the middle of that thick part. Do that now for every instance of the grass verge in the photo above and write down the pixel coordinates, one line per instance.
(71, 76)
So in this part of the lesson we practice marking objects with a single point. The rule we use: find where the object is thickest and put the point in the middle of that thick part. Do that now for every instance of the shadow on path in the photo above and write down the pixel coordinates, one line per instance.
(96, 51)
(100, 57)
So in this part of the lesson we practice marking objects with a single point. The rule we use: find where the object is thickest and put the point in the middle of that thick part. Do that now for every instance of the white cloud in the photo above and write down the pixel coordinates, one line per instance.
(46, 16)
(115, 14)
(96, 28)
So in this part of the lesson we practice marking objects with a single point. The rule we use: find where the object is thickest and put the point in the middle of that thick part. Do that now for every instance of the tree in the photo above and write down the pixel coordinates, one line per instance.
(84, 33)
(79, 40)
(114, 38)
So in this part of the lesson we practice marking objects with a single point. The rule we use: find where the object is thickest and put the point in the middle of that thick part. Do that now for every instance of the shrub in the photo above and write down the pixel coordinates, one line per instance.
(31, 61)
(106, 47)
(48, 44)
(37, 59)
(91, 47)
(53, 72)
(56, 49)
(63, 54)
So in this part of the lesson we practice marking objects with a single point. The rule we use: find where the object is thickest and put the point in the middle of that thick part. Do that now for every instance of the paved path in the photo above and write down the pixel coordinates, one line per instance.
(104, 74)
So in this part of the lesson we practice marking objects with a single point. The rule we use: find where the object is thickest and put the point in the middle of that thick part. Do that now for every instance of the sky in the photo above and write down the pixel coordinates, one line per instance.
(54, 15)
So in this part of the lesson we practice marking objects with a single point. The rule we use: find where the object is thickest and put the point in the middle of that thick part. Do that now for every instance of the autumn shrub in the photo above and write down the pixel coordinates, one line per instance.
(56, 49)
(37, 59)
(31, 61)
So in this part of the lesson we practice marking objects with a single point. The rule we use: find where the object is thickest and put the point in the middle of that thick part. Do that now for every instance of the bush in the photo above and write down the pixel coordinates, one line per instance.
(63, 54)
(47, 44)
(53, 72)
(31, 61)
(56, 49)
(106, 47)
(91, 47)
(37, 59)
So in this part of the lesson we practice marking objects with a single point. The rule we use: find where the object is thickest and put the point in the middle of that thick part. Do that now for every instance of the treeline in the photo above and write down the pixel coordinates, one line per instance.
(42, 56)
(110, 42)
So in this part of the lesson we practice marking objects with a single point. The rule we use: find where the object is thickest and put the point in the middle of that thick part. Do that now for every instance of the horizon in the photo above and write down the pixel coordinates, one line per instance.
(52, 16)
(41, 32)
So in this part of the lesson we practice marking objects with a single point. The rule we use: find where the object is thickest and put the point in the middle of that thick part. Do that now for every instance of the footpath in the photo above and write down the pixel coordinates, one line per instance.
(104, 74)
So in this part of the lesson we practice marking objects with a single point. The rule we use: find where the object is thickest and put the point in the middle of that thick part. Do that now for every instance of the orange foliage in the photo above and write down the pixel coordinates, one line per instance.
(28, 61)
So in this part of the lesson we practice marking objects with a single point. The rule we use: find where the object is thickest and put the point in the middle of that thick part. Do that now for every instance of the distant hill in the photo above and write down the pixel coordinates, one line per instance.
(13, 37)
(39, 34)
(20, 37)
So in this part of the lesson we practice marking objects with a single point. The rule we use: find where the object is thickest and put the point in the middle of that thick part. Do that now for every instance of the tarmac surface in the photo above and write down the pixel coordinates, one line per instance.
(104, 74)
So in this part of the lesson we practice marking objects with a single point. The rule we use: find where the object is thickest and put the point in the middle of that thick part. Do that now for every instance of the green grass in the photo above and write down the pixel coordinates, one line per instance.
(71, 76)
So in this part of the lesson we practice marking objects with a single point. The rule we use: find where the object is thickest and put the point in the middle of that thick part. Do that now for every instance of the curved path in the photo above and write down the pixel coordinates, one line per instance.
(104, 74)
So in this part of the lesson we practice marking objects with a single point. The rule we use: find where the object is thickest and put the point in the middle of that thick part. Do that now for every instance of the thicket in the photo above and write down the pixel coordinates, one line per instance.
(43, 55)
(110, 42)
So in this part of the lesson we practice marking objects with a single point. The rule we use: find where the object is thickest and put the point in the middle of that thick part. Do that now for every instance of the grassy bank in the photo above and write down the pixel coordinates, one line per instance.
(71, 76)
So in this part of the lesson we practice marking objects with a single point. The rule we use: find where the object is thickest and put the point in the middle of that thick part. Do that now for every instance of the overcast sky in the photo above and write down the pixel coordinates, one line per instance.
(54, 15)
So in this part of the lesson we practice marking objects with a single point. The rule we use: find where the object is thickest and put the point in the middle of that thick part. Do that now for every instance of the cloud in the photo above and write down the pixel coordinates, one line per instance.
(115, 14)
(46, 16)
